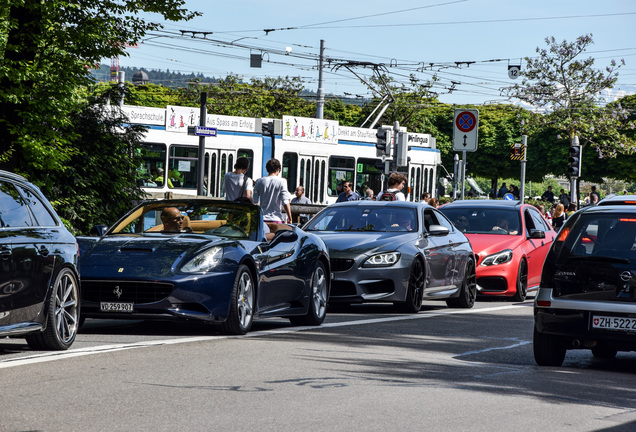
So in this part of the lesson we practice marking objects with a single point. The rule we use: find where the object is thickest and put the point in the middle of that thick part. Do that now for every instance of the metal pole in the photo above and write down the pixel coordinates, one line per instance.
(455, 175)
(121, 76)
(463, 173)
(202, 118)
(522, 191)
(574, 195)
(320, 106)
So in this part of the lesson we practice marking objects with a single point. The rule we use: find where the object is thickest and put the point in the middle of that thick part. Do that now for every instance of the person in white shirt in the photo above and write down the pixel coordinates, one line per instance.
(271, 193)
(396, 184)
(236, 183)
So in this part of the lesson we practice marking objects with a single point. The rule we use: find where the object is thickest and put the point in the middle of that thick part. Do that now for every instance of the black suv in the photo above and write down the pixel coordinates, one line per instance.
(587, 295)
(39, 284)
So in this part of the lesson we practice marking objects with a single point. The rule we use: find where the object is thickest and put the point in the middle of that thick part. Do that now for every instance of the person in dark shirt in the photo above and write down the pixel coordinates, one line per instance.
(548, 195)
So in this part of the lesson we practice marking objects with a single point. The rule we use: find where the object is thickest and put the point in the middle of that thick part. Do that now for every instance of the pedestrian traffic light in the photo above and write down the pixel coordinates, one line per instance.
(402, 149)
(575, 161)
(384, 143)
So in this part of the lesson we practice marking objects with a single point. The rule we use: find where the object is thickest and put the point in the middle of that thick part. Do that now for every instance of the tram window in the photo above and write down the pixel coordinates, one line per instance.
(314, 187)
(183, 167)
(418, 184)
(290, 169)
(323, 181)
(223, 170)
(249, 154)
(301, 179)
(341, 169)
(213, 179)
(154, 157)
(368, 176)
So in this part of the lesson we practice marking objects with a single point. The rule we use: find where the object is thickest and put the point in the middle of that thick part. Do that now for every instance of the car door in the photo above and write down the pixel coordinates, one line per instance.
(440, 259)
(536, 249)
(6, 274)
(280, 283)
(33, 255)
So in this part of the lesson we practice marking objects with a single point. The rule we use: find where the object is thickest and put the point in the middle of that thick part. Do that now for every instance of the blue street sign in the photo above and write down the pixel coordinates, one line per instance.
(509, 197)
(202, 131)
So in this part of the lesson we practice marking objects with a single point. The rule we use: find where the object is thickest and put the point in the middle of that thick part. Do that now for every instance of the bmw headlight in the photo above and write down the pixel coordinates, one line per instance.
(385, 259)
(498, 258)
(204, 262)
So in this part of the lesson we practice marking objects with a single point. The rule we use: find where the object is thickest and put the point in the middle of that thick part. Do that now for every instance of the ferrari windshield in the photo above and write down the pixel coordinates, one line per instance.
(220, 218)
(362, 218)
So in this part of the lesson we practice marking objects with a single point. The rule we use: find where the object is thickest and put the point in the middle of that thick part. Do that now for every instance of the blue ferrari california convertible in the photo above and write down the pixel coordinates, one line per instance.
(207, 260)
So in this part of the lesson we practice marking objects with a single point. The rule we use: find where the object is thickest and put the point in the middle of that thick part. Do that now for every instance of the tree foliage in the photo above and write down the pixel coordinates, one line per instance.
(570, 90)
(46, 50)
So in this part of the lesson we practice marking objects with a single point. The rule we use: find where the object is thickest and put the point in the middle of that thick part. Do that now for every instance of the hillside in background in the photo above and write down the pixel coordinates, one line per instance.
(164, 78)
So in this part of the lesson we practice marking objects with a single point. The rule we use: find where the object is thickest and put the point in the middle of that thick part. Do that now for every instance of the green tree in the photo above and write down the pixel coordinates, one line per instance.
(569, 89)
(46, 50)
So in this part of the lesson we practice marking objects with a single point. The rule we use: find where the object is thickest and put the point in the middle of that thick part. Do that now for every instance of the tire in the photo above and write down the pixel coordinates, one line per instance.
(62, 321)
(522, 282)
(318, 296)
(548, 349)
(604, 352)
(468, 292)
(239, 320)
(414, 291)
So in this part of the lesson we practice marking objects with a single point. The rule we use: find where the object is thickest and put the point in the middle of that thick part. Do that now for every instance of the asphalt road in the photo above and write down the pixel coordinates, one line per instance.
(367, 368)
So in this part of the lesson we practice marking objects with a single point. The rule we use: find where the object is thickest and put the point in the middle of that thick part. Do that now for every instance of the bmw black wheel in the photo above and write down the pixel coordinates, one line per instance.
(522, 282)
(239, 320)
(468, 291)
(62, 321)
(318, 296)
(548, 349)
(415, 290)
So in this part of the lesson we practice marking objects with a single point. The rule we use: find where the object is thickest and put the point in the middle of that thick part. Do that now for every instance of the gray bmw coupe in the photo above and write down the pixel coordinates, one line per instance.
(399, 251)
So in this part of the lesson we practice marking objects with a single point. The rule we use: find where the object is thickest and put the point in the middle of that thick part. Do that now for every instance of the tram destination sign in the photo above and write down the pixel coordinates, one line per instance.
(202, 131)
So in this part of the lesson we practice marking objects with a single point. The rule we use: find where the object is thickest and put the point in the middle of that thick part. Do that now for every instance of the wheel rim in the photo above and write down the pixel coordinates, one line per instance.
(319, 291)
(66, 308)
(471, 284)
(416, 284)
(245, 300)
(522, 280)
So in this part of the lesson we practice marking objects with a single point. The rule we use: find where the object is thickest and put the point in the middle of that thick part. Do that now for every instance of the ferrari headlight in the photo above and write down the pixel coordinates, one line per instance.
(204, 262)
(386, 259)
(498, 258)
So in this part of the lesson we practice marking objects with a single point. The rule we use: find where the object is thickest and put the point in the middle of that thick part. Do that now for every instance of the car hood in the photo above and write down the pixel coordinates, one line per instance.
(363, 243)
(140, 251)
(486, 244)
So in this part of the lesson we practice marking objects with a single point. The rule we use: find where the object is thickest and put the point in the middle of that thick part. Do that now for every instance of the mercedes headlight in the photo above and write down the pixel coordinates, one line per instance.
(498, 258)
(385, 259)
(205, 261)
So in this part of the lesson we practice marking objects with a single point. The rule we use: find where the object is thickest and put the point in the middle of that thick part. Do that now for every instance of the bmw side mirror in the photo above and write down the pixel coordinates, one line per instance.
(437, 230)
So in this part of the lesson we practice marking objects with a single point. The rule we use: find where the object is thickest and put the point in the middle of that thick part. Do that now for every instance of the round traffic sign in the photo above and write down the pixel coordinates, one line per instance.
(508, 197)
(466, 121)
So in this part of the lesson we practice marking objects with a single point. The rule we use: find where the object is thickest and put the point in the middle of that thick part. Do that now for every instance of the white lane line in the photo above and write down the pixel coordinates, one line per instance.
(493, 348)
(79, 352)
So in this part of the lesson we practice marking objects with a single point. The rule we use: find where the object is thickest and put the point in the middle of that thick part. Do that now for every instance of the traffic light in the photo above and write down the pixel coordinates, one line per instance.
(575, 161)
(384, 143)
(402, 149)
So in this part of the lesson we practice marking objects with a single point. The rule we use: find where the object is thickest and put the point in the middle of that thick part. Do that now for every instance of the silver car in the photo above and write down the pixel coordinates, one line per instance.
(400, 252)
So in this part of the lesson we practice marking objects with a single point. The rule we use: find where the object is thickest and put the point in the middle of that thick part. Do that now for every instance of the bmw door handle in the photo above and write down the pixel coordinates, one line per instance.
(43, 251)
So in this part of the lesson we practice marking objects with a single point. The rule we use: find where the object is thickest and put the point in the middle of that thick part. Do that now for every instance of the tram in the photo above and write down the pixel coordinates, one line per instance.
(317, 154)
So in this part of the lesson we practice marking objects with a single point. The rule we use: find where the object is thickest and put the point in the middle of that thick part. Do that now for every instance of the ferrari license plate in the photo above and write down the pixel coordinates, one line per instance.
(115, 307)
(614, 323)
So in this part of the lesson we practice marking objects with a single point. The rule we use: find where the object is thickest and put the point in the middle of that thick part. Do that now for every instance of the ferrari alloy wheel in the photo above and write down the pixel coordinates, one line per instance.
(548, 349)
(468, 291)
(522, 282)
(318, 297)
(241, 313)
(62, 321)
(415, 289)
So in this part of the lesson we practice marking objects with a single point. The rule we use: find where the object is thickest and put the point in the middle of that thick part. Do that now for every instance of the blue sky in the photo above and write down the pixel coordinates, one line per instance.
(408, 37)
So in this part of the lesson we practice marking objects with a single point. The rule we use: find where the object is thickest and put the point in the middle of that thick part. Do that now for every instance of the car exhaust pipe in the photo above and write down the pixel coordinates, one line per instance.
(576, 343)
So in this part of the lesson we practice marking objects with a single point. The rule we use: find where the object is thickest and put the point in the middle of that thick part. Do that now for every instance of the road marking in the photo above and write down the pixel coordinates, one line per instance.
(80, 352)
(522, 343)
